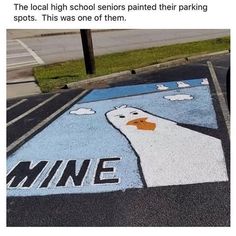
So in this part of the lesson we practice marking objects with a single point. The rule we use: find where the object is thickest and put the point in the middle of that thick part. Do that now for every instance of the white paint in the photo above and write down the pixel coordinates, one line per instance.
(23, 53)
(220, 95)
(182, 84)
(122, 106)
(21, 183)
(31, 110)
(21, 64)
(161, 87)
(44, 122)
(179, 97)
(83, 111)
(170, 154)
(13, 41)
(205, 81)
(17, 55)
(32, 53)
(16, 104)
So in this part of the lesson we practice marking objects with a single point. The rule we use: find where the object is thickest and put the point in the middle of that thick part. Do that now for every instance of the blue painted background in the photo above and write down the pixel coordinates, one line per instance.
(91, 137)
(116, 92)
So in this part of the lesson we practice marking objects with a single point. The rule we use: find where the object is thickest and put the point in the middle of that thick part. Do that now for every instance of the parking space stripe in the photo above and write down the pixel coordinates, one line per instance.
(44, 122)
(31, 110)
(18, 55)
(11, 40)
(32, 53)
(16, 104)
(21, 65)
(12, 43)
(15, 48)
(220, 95)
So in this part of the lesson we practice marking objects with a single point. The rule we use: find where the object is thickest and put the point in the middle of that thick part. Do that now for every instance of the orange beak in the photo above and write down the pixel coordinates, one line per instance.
(141, 123)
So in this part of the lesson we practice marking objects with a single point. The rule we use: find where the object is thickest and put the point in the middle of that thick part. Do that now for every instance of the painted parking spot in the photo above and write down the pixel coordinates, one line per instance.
(124, 137)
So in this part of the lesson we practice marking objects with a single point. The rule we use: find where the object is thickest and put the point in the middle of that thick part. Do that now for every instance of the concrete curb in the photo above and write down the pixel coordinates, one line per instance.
(97, 82)
(204, 56)
(22, 80)
(104, 81)
(162, 65)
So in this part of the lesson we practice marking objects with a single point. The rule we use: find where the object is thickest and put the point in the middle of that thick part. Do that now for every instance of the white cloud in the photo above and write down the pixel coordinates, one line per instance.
(83, 111)
(161, 87)
(205, 81)
(182, 84)
(179, 97)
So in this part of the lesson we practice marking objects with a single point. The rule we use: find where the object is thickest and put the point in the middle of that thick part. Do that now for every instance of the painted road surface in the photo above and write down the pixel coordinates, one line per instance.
(199, 204)
(126, 137)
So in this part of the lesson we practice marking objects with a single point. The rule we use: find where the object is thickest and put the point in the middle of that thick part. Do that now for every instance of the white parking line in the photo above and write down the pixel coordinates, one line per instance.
(44, 122)
(19, 55)
(21, 65)
(16, 47)
(16, 104)
(220, 95)
(23, 54)
(33, 54)
(31, 110)
(9, 42)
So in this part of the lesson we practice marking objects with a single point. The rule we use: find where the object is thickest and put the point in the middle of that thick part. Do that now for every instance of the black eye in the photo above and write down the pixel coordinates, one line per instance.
(121, 116)
(135, 113)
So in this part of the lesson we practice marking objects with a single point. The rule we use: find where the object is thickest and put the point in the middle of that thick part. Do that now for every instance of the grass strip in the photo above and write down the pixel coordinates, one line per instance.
(54, 76)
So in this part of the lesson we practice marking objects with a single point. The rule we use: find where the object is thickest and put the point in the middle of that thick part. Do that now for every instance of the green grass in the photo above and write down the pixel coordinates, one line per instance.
(55, 76)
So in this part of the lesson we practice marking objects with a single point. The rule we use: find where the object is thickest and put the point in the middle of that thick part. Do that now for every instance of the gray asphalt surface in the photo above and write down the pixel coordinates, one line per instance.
(206, 204)
(25, 53)
(68, 47)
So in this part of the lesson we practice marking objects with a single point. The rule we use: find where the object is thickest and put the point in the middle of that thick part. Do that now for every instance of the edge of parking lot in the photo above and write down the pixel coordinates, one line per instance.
(104, 81)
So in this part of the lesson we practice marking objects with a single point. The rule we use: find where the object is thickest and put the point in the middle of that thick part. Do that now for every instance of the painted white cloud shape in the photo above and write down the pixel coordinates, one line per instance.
(161, 87)
(179, 97)
(182, 84)
(205, 81)
(83, 111)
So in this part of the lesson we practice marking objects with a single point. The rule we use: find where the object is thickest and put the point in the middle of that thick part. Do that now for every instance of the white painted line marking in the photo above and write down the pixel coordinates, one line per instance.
(16, 104)
(12, 43)
(16, 47)
(21, 63)
(15, 43)
(11, 40)
(44, 122)
(220, 95)
(34, 55)
(31, 110)
(23, 54)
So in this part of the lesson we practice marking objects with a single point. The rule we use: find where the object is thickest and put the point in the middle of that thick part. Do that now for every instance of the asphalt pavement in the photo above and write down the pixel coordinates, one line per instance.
(205, 203)
(56, 48)
(50, 46)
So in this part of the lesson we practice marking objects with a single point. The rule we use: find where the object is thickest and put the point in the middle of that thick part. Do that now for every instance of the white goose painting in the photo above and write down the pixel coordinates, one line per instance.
(169, 154)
